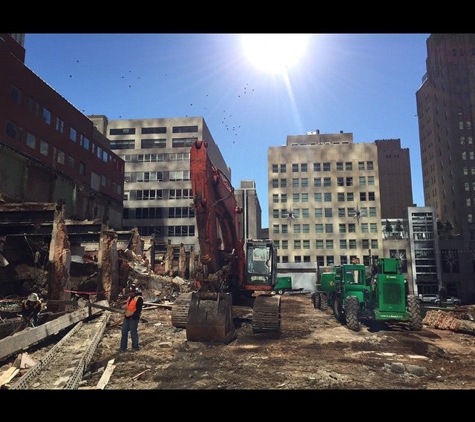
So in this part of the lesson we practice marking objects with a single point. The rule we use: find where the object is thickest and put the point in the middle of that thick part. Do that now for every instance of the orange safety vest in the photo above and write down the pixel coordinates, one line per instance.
(131, 306)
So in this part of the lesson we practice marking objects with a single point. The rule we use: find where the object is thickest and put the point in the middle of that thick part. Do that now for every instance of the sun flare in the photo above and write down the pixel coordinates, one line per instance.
(274, 53)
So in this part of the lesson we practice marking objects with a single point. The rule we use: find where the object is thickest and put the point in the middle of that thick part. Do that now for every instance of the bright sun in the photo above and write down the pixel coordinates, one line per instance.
(274, 53)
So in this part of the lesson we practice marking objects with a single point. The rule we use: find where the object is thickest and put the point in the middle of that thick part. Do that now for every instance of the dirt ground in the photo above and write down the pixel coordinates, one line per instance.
(313, 351)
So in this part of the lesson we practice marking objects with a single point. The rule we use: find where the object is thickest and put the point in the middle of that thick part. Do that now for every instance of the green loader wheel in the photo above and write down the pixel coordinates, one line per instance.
(323, 301)
(414, 309)
(352, 309)
(316, 300)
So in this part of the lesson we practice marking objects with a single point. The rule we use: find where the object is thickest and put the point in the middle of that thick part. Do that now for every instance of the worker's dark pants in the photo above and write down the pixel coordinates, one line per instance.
(131, 325)
(31, 321)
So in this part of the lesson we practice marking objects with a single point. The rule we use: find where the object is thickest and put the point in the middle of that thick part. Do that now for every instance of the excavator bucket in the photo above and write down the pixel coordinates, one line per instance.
(210, 319)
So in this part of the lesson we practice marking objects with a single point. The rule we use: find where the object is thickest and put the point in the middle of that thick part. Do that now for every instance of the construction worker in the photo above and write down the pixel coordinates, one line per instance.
(30, 309)
(133, 309)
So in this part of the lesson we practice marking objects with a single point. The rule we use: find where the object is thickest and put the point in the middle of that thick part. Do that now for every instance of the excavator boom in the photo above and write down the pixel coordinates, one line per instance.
(226, 274)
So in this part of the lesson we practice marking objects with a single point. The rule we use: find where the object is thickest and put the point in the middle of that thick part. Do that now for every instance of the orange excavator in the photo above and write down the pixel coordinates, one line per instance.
(230, 272)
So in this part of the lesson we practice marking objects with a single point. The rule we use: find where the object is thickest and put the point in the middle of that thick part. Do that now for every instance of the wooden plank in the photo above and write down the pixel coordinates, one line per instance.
(106, 375)
(8, 375)
(29, 336)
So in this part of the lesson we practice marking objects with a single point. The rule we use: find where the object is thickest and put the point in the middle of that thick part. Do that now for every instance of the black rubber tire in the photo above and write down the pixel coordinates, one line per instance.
(338, 310)
(323, 301)
(352, 311)
(315, 301)
(414, 309)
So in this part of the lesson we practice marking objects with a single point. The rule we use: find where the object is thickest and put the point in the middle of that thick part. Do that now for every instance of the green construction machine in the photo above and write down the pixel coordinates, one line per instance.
(358, 293)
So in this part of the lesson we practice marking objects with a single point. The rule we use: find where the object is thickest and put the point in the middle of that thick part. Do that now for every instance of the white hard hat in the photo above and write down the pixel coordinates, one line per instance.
(33, 297)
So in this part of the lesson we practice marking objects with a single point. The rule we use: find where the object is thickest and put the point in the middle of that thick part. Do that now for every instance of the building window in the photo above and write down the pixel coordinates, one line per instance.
(283, 198)
(352, 243)
(319, 244)
(275, 168)
(283, 183)
(317, 182)
(295, 168)
(283, 168)
(185, 129)
(374, 243)
(122, 131)
(153, 143)
(327, 181)
(329, 244)
(341, 212)
(328, 212)
(327, 197)
(285, 228)
(341, 228)
(60, 156)
(360, 165)
(183, 142)
(285, 244)
(275, 198)
(297, 244)
(295, 182)
(304, 182)
(275, 183)
(275, 213)
(349, 166)
(44, 147)
(46, 116)
(303, 167)
(328, 228)
(319, 228)
(369, 165)
(339, 166)
(343, 244)
(317, 167)
(31, 140)
(340, 181)
(59, 125)
(296, 228)
(326, 166)
(149, 130)
(15, 95)
(318, 212)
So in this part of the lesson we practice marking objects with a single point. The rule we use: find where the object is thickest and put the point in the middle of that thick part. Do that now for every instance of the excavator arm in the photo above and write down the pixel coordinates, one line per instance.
(223, 276)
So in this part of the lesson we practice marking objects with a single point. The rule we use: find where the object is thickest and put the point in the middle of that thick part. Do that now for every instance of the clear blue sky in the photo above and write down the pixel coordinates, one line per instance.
(360, 83)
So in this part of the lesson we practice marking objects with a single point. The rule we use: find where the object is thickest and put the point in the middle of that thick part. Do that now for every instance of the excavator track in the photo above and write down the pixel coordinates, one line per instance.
(180, 310)
(266, 316)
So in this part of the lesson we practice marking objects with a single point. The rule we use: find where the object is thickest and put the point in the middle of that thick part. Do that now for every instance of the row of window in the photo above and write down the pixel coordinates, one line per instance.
(326, 260)
(324, 197)
(319, 182)
(329, 244)
(157, 194)
(324, 212)
(147, 213)
(154, 129)
(320, 228)
(156, 158)
(156, 176)
(152, 143)
(326, 166)
(162, 231)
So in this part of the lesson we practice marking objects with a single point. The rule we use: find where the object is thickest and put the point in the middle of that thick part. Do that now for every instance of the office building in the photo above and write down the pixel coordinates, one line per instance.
(445, 110)
(49, 150)
(157, 190)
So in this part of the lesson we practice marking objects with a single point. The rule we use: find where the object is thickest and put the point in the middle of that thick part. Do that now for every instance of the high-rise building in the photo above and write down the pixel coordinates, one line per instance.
(325, 197)
(157, 188)
(445, 110)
